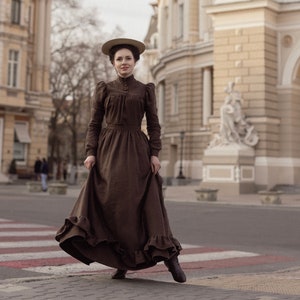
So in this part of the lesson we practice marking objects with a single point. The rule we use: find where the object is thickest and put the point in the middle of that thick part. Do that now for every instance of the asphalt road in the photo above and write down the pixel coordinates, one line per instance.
(264, 229)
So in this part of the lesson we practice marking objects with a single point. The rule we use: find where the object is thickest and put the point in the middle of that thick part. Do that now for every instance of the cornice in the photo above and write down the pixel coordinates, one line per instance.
(250, 5)
(244, 5)
(182, 52)
(13, 37)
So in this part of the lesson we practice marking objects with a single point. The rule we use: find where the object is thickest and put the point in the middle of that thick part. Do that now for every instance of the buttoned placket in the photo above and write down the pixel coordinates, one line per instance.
(124, 84)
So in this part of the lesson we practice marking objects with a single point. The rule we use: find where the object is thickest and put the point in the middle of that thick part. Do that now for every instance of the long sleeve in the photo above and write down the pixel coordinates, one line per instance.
(97, 115)
(153, 126)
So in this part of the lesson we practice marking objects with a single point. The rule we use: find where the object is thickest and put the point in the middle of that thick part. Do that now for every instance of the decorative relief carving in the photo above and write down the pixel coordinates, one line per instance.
(287, 41)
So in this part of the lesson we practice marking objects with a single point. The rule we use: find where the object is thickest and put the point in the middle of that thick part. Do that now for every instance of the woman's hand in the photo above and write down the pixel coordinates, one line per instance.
(90, 161)
(155, 164)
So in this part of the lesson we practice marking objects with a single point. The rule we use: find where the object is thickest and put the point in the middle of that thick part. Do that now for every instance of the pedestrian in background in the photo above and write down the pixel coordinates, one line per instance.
(44, 174)
(120, 218)
(65, 170)
(37, 168)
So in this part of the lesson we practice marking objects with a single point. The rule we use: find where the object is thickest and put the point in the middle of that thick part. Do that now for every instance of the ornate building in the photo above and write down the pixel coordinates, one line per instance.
(203, 45)
(25, 100)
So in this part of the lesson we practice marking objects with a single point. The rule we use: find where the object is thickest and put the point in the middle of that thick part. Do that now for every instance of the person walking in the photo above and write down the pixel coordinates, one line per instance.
(37, 168)
(44, 174)
(120, 219)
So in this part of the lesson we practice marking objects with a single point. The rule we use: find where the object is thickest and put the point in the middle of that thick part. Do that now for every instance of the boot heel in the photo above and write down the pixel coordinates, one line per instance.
(119, 274)
(175, 269)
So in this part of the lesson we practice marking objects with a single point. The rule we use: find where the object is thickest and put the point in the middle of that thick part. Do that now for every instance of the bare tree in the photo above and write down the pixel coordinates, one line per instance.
(77, 64)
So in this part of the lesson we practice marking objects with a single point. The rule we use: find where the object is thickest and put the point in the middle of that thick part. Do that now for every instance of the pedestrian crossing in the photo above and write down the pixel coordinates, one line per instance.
(31, 247)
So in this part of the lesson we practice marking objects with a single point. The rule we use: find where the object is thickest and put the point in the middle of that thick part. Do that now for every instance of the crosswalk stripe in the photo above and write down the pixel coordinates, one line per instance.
(28, 244)
(214, 256)
(5, 220)
(21, 225)
(69, 268)
(32, 255)
(189, 246)
(26, 233)
(182, 258)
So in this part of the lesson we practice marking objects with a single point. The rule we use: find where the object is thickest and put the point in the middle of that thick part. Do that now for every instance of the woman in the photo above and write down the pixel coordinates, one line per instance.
(119, 219)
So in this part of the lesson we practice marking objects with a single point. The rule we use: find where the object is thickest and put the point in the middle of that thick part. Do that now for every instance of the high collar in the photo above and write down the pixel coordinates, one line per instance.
(126, 80)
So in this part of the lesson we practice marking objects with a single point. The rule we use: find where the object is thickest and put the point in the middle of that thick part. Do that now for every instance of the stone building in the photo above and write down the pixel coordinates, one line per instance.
(203, 45)
(25, 100)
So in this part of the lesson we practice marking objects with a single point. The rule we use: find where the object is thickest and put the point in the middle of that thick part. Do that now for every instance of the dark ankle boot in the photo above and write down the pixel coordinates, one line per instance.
(174, 267)
(119, 274)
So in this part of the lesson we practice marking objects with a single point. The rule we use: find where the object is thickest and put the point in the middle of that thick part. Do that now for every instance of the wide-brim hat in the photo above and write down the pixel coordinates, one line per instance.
(122, 41)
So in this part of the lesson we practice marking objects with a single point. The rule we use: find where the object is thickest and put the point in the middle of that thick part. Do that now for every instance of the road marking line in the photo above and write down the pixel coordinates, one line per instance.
(27, 244)
(22, 225)
(69, 268)
(214, 256)
(5, 220)
(188, 246)
(182, 258)
(11, 288)
(32, 255)
(26, 233)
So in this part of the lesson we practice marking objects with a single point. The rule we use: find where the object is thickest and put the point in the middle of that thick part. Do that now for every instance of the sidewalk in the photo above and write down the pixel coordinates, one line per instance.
(279, 285)
(173, 193)
(188, 194)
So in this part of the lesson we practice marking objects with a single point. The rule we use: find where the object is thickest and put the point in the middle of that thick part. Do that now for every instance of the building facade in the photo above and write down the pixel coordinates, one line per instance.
(25, 100)
(203, 45)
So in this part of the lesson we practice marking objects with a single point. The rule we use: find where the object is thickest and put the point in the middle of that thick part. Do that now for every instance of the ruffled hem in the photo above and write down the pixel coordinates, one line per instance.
(158, 248)
(76, 239)
(82, 226)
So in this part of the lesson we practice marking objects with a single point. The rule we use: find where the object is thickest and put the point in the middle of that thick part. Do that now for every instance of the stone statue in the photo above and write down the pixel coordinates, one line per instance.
(234, 127)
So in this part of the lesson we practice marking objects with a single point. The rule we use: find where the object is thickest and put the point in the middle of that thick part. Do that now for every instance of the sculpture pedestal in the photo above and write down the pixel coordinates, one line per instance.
(270, 197)
(230, 169)
(207, 194)
(34, 186)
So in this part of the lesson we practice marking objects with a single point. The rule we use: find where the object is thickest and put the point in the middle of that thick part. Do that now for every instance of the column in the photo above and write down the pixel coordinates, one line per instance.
(162, 27)
(207, 95)
(161, 102)
(170, 29)
(41, 31)
(47, 46)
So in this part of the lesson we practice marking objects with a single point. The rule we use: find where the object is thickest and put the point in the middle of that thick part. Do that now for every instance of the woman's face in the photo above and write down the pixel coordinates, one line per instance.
(124, 62)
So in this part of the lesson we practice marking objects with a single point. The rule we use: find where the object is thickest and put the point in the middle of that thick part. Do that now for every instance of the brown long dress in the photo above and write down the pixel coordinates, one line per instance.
(119, 218)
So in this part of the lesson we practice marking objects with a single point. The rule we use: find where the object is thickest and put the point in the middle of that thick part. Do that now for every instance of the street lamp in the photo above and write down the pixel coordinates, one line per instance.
(180, 175)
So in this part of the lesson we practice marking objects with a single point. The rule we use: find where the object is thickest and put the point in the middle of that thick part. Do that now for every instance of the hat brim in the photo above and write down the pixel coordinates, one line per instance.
(122, 41)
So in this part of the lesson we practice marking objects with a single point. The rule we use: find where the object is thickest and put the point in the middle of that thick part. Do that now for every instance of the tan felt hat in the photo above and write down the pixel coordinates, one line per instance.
(122, 41)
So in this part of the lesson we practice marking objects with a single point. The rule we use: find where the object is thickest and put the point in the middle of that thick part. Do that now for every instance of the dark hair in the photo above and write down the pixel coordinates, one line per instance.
(133, 49)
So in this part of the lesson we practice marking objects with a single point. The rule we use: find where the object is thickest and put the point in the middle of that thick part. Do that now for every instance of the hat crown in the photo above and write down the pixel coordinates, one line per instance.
(122, 41)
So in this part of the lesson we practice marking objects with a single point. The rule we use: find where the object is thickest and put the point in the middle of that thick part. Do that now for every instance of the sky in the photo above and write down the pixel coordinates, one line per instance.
(133, 16)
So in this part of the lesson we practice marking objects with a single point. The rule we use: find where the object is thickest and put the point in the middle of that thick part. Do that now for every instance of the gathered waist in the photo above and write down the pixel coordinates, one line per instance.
(123, 127)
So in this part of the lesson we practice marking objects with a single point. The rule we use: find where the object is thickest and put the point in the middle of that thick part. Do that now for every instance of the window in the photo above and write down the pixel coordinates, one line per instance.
(29, 19)
(13, 61)
(181, 21)
(21, 139)
(161, 102)
(1, 139)
(174, 100)
(15, 11)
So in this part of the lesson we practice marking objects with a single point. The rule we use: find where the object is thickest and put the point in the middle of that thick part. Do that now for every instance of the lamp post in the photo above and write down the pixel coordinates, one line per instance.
(180, 175)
